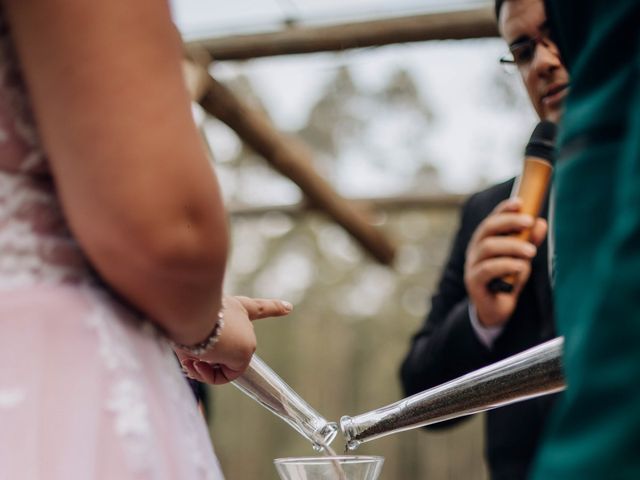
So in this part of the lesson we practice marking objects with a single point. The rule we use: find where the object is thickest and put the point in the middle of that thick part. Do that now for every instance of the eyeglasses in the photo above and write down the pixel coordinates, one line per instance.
(522, 53)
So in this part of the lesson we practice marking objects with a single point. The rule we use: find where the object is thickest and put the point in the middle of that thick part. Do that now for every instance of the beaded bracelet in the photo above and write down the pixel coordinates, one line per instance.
(208, 343)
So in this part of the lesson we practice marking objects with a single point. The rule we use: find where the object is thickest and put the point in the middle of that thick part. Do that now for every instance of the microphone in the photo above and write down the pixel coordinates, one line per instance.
(531, 187)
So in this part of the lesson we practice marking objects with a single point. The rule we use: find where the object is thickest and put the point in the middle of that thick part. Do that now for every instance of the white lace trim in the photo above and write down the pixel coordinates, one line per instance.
(11, 397)
(190, 420)
(12, 84)
(35, 243)
(25, 253)
(126, 399)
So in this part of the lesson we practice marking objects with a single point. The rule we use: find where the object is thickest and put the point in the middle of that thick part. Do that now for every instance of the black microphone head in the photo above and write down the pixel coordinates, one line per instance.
(542, 143)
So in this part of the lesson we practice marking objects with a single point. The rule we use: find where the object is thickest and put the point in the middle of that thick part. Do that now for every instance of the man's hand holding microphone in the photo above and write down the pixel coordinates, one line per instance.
(498, 258)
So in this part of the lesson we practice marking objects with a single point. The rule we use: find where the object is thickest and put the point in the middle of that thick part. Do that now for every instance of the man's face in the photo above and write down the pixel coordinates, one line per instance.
(539, 63)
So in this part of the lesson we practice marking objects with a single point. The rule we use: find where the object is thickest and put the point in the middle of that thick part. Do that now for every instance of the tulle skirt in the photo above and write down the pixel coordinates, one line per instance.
(87, 392)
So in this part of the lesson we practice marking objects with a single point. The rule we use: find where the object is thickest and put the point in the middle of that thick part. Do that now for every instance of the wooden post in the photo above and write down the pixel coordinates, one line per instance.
(477, 23)
(387, 204)
(287, 155)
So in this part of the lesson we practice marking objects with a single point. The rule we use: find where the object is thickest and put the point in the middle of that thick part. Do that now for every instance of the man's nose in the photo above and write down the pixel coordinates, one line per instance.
(545, 58)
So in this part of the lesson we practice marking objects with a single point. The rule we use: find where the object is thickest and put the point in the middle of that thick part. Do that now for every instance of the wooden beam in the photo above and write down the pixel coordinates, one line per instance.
(370, 204)
(289, 156)
(477, 23)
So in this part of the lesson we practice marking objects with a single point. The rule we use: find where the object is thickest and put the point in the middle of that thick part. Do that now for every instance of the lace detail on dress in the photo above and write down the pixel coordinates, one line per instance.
(126, 401)
(11, 397)
(190, 421)
(35, 242)
(126, 397)
(19, 125)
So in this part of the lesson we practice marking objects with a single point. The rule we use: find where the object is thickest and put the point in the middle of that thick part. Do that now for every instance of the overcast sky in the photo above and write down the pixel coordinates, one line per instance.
(474, 137)
(215, 17)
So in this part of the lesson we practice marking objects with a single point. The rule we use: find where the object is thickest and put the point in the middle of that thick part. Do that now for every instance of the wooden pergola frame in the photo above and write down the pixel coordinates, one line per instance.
(287, 154)
(456, 25)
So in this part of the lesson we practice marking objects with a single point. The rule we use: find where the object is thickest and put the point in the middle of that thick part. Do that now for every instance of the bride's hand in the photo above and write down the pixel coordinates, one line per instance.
(230, 357)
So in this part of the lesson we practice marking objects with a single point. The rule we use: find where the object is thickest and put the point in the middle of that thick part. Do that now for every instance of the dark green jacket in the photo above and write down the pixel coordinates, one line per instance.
(595, 431)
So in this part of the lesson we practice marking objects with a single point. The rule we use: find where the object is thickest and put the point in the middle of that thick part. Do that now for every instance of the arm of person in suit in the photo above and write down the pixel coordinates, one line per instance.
(448, 345)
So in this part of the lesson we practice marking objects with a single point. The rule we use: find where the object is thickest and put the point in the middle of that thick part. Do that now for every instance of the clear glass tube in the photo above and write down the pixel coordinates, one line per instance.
(263, 385)
(532, 373)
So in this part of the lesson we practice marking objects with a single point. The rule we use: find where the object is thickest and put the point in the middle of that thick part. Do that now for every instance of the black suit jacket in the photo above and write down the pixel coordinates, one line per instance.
(447, 347)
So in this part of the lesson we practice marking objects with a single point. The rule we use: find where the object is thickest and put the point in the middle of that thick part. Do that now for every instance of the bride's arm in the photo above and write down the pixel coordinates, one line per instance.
(114, 116)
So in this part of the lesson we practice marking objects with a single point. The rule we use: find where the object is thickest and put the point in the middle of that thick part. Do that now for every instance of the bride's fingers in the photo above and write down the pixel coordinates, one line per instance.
(215, 374)
(191, 372)
(262, 308)
(206, 371)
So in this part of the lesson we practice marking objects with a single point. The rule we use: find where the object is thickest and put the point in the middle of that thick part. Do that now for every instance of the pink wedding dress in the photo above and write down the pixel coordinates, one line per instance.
(88, 390)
